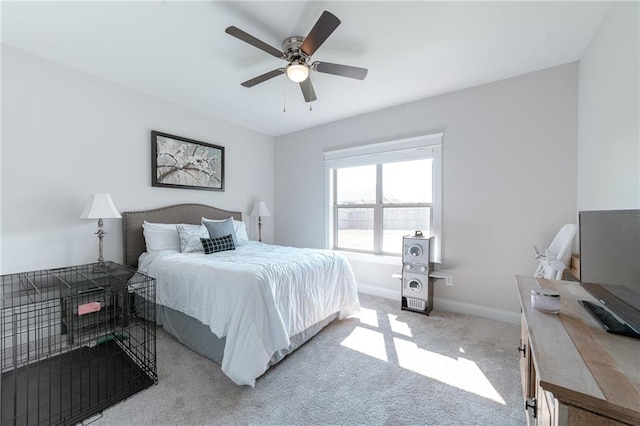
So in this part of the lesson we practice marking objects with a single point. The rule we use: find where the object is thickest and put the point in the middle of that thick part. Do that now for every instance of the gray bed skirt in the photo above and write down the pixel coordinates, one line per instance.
(199, 338)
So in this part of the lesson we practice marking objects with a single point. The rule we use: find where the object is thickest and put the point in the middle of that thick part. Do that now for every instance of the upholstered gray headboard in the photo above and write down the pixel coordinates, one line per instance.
(133, 239)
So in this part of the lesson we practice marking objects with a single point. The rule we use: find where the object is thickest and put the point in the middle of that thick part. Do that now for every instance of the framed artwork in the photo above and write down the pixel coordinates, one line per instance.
(178, 162)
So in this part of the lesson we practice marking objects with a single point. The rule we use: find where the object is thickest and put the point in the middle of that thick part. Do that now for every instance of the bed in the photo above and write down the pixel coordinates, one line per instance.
(245, 309)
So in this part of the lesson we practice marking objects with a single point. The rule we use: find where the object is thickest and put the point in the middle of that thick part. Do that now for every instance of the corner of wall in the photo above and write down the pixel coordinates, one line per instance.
(608, 151)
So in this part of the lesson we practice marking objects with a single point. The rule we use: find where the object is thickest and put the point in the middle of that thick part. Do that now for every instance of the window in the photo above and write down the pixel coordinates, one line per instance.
(379, 193)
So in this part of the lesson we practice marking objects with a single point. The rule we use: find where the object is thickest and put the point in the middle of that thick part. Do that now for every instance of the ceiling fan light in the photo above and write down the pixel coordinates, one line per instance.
(297, 72)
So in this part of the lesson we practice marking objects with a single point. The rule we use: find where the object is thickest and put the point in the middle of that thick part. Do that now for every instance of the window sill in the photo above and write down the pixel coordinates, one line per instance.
(372, 258)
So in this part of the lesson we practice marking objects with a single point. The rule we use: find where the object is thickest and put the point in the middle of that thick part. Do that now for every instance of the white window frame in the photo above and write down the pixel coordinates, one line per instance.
(420, 147)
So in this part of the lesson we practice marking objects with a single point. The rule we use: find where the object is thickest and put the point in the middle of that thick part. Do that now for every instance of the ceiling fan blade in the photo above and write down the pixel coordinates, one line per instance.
(341, 70)
(307, 90)
(326, 24)
(248, 38)
(262, 78)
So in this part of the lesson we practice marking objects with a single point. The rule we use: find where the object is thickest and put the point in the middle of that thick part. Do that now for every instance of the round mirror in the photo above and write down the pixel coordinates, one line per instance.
(415, 251)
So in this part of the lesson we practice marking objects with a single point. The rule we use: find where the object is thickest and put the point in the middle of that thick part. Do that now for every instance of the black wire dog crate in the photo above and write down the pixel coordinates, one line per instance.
(74, 341)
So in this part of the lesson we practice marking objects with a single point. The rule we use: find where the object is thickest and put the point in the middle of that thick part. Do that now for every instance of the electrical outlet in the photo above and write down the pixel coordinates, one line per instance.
(448, 280)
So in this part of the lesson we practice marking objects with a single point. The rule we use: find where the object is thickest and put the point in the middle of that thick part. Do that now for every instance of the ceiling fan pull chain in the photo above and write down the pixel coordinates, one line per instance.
(284, 95)
(310, 108)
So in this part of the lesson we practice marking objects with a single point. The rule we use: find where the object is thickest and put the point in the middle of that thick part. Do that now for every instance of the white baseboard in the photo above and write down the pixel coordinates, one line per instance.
(378, 291)
(477, 310)
(448, 305)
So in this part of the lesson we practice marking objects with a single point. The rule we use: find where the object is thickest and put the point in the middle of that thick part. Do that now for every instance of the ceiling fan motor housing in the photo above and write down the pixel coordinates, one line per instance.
(291, 48)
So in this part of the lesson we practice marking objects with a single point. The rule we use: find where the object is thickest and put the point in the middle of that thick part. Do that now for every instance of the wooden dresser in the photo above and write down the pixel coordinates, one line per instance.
(573, 372)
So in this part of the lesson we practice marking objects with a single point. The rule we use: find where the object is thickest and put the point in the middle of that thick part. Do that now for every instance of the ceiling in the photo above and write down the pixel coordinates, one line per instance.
(178, 51)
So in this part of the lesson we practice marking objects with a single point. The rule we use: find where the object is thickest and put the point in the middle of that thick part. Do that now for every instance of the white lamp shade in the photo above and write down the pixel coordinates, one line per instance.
(260, 209)
(100, 206)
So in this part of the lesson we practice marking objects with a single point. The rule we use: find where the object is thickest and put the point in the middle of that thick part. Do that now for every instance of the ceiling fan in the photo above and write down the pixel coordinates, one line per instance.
(297, 51)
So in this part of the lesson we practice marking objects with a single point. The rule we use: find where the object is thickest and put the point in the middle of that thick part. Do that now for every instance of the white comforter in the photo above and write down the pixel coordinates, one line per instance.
(256, 296)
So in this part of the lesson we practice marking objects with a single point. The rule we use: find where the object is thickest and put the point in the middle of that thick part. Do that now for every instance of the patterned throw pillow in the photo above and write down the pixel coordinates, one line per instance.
(190, 237)
(213, 245)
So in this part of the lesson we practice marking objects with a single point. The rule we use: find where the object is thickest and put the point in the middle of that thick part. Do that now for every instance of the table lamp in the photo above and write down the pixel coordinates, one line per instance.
(260, 209)
(100, 206)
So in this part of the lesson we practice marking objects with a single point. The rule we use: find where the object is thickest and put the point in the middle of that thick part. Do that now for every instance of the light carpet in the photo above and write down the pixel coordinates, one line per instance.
(383, 366)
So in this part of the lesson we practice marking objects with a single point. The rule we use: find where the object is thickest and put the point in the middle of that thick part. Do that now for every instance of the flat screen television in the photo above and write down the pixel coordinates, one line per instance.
(610, 261)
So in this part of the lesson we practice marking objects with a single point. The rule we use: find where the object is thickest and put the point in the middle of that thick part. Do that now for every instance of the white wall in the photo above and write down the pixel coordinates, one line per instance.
(67, 134)
(609, 113)
(509, 181)
(1, 137)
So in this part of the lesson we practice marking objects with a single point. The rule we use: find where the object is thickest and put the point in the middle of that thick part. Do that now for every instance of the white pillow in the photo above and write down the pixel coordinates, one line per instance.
(190, 237)
(238, 226)
(241, 230)
(161, 236)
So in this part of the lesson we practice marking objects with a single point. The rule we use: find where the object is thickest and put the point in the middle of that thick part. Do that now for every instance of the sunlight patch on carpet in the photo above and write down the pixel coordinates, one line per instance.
(367, 316)
(399, 326)
(461, 373)
(368, 342)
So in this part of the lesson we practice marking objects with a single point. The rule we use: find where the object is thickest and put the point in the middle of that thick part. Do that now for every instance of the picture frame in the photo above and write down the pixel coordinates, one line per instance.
(178, 162)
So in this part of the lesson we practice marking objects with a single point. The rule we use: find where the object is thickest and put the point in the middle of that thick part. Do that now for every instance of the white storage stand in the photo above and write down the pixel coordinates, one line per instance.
(417, 288)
